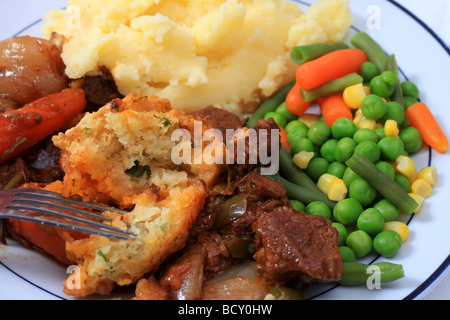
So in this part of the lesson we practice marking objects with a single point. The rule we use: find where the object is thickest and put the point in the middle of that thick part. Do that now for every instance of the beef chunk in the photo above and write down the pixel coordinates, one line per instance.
(260, 188)
(242, 168)
(9, 170)
(262, 194)
(291, 245)
(218, 119)
(217, 256)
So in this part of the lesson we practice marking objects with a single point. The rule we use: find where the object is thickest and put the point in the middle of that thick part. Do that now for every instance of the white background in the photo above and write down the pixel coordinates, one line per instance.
(434, 13)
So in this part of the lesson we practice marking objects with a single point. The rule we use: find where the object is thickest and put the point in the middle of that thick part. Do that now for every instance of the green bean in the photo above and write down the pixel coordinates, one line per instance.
(372, 49)
(271, 104)
(355, 273)
(294, 174)
(302, 54)
(331, 87)
(17, 180)
(382, 183)
(302, 194)
(397, 96)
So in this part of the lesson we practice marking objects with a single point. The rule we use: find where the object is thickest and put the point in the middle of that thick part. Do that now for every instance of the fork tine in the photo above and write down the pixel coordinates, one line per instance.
(50, 195)
(66, 207)
(62, 214)
(55, 222)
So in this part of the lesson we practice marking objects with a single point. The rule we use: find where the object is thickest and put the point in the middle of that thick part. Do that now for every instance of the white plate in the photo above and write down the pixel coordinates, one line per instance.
(422, 58)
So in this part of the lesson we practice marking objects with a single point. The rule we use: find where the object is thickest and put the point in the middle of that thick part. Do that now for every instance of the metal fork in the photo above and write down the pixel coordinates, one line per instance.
(50, 208)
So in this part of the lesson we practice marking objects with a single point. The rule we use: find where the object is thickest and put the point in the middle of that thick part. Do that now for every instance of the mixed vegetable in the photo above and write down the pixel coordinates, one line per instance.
(352, 162)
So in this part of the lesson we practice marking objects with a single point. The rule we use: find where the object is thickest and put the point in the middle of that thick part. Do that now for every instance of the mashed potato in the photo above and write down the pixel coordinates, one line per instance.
(230, 54)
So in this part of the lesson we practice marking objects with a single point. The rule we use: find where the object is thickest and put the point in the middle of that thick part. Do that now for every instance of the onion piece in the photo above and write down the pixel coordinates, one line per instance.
(238, 288)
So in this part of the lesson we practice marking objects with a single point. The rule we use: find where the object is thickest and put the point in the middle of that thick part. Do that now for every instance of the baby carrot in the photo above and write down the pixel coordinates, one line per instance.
(334, 107)
(283, 139)
(294, 101)
(22, 128)
(330, 66)
(420, 117)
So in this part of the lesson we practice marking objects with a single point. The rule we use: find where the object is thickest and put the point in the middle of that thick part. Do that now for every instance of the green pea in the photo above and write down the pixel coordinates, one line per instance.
(373, 107)
(317, 167)
(403, 182)
(371, 221)
(408, 101)
(349, 176)
(337, 169)
(343, 232)
(296, 133)
(347, 211)
(365, 134)
(394, 111)
(278, 118)
(327, 150)
(380, 133)
(368, 71)
(360, 242)
(389, 77)
(301, 144)
(319, 133)
(390, 148)
(282, 109)
(343, 127)
(387, 243)
(369, 150)
(318, 208)
(294, 124)
(344, 149)
(347, 254)
(380, 87)
(389, 211)
(386, 168)
(411, 138)
(362, 191)
(409, 89)
(297, 205)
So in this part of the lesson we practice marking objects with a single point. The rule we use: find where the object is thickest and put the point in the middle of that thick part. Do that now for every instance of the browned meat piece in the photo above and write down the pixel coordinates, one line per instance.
(99, 89)
(263, 195)
(9, 170)
(242, 168)
(43, 162)
(260, 188)
(291, 245)
(217, 256)
(218, 119)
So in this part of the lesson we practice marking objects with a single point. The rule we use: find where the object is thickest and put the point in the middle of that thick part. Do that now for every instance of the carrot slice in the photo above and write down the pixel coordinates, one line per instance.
(420, 117)
(334, 107)
(22, 128)
(331, 66)
(283, 139)
(294, 101)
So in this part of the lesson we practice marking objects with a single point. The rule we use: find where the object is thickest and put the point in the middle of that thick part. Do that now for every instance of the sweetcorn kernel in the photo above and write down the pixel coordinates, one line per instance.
(429, 174)
(303, 158)
(337, 190)
(421, 187)
(419, 199)
(406, 166)
(391, 128)
(354, 95)
(400, 227)
(309, 119)
(324, 182)
(366, 123)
